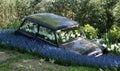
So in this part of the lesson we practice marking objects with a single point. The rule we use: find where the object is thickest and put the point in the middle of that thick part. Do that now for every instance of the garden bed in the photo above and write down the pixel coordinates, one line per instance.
(7, 37)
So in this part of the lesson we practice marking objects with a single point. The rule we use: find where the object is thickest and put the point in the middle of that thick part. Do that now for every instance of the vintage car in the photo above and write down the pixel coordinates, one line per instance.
(60, 32)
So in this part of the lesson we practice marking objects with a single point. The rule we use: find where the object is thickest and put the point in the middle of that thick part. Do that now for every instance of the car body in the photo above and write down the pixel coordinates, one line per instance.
(60, 32)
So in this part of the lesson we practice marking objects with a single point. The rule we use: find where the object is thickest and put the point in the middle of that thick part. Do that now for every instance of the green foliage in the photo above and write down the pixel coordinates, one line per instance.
(98, 13)
(26, 7)
(117, 13)
(113, 35)
(90, 31)
(15, 24)
(64, 7)
(7, 13)
(13, 11)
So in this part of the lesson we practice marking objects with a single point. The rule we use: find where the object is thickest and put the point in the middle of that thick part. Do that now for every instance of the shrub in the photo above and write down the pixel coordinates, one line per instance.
(26, 7)
(7, 13)
(89, 31)
(13, 11)
(117, 13)
(113, 35)
(65, 8)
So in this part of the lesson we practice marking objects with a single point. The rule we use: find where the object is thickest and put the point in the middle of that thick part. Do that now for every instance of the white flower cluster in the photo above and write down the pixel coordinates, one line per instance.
(114, 47)
(67, 35)
(110, 47)
(29, 28)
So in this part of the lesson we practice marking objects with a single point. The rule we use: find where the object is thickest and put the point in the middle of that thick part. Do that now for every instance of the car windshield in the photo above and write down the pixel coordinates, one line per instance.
(66, 35)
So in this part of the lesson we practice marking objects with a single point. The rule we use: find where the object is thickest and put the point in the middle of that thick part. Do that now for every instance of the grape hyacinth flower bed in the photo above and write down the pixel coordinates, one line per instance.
(8, 37)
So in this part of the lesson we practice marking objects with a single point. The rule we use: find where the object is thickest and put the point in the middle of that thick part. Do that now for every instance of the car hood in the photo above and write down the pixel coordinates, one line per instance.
(83, 46)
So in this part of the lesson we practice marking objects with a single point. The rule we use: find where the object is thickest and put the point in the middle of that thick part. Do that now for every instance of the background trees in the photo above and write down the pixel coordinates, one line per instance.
(100, 14)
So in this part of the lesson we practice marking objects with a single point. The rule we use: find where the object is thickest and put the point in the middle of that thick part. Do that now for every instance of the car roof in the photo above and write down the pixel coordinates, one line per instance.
(52, 21)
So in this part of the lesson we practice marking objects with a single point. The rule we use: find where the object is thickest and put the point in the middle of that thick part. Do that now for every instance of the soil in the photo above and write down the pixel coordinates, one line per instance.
(4, 56)
(32, 64)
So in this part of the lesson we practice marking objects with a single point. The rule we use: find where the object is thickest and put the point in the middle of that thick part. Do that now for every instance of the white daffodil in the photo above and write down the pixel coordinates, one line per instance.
(72, 35)
(62, 34)
(112, 47)
(27, 30)
(104, 45)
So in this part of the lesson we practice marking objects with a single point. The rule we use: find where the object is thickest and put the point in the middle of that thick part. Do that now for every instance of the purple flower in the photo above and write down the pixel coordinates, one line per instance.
(7, 37)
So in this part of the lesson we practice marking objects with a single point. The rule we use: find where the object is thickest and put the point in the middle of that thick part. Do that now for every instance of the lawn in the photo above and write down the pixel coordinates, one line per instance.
(13, 60)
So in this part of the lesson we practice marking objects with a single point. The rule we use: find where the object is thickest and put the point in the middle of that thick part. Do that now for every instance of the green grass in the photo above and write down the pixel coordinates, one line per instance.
(12, 63)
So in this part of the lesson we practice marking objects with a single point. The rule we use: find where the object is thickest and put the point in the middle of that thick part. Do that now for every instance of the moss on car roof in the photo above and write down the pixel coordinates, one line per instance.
(54, 20)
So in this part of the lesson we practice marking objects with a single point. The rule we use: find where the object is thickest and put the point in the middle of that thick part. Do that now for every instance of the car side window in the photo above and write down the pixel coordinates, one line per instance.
(66, 35)
(30, 27)
(46, 34)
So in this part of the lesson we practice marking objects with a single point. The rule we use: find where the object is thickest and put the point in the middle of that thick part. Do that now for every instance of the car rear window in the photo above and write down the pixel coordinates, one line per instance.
(30, 27)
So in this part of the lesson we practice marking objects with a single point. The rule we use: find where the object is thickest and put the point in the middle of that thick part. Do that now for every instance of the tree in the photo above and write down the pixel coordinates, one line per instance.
(97, 13)
(26, 7)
